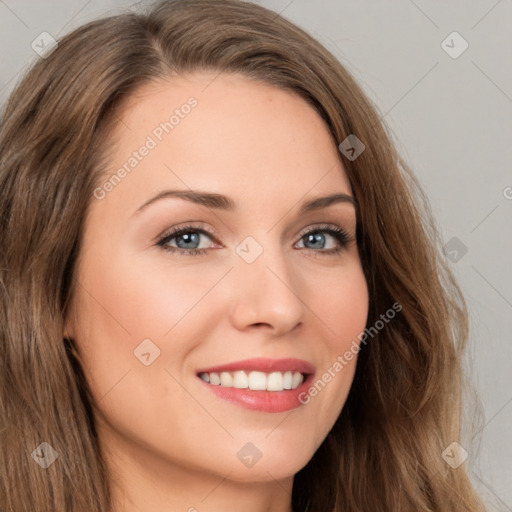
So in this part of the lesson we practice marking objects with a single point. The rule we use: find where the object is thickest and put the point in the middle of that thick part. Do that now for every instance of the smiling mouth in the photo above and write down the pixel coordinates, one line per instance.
(255, 380)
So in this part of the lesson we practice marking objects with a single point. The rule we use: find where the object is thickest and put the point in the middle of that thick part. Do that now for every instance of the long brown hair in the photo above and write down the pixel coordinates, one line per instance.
(404, 407)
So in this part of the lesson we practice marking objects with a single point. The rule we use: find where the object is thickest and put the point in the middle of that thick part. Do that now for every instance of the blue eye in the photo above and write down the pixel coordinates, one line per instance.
(317, 237)
(187, 238)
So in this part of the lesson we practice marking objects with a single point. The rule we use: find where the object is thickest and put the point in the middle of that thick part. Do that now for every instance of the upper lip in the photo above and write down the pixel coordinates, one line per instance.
(262, 364)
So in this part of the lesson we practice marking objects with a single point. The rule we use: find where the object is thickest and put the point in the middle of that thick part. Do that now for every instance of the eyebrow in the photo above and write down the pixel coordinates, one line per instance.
(221, 202)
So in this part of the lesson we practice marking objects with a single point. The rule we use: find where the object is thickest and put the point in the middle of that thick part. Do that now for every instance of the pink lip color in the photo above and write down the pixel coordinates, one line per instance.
(262, 364)
(265, 401)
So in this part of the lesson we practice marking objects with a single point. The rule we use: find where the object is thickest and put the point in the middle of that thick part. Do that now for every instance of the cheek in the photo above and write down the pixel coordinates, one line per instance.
(342, 308)
(132, 300)
(121, 305)
(340, 301)
(130, 308)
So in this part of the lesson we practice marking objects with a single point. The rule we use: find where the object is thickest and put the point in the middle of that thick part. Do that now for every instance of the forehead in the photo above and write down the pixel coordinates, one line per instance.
(224, 133)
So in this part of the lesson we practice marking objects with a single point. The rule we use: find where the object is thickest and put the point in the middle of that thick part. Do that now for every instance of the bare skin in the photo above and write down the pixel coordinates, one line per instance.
(169, 441)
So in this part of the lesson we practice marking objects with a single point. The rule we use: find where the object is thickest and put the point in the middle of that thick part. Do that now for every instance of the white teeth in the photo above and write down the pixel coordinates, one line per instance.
(214, 379)
(287, 380)
(256, 381)
(240, 380)
(226, 379)
(275, 381)
(296, 379)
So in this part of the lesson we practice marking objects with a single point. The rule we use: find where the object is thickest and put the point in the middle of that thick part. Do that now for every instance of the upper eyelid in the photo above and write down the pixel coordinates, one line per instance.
(177, 230)
(213, 234)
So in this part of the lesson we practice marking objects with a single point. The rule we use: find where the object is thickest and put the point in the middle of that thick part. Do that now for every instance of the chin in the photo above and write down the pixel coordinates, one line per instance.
(276, 463)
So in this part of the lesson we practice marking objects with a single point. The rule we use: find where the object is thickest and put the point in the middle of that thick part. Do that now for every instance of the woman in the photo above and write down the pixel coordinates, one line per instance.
(222, 287)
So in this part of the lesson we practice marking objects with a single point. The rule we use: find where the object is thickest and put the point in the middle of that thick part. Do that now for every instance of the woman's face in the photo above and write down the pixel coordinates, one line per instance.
(253, 275)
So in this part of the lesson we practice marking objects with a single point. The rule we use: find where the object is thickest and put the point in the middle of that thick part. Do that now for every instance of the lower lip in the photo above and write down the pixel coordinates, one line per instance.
(265, 401)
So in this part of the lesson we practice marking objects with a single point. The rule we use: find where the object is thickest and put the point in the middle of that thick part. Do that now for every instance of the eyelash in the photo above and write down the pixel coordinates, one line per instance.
(339, 234)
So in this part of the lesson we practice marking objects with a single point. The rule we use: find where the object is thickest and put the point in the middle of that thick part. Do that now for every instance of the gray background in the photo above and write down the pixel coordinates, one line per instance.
(452, 119)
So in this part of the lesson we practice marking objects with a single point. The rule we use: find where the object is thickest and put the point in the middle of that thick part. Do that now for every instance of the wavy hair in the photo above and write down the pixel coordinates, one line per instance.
(404, 407)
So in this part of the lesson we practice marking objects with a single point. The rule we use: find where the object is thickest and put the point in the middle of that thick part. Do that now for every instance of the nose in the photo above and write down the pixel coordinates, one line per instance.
(266, 294)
